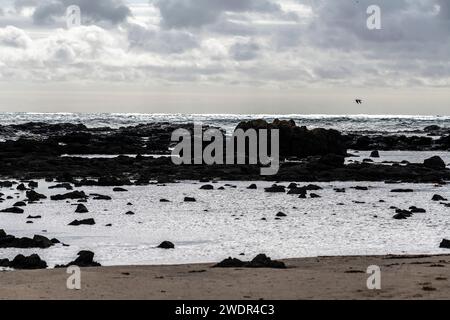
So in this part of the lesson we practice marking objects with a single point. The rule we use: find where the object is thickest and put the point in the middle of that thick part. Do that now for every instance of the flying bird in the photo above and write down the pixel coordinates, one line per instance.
(358, 101)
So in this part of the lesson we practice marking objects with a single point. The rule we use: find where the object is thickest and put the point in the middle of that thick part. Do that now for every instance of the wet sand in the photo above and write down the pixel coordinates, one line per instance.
(405, 277)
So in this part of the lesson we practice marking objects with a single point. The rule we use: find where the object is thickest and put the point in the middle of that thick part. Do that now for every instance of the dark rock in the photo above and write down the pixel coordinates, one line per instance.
(88, 222)
(65, 185)
(21, 187)
(69, 196)
(281, 215)
(375, 154)
(314, 196)
(359, 188)
(13, 210)
(20, 204)
(252, 187)
(118, 189)
(32, 262)
(207, 187)
(81, 208)
(189, 199)
(437, 197)
(275, 189)
(33, 184)
(414, 209)
(164, 200)
(402, 214)
(230, 263)
(166, 245)
(85, 259)
(434, 163)
(9, 241)
(340, 190)
(130, 213)
(34, 217)
(262, 261)
(33, 196)
(402, 190)
(101, 197)
(445, 244)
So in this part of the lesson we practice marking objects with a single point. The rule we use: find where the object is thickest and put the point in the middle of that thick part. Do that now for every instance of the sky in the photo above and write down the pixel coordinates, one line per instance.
(225, 56)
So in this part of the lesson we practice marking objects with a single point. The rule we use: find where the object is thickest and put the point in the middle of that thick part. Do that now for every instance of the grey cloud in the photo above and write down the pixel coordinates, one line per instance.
(243, 51)
(161, 41)
(98, 11)
(197, 13)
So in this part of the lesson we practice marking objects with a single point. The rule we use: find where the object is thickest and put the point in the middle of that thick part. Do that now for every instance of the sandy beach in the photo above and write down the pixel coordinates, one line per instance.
(402, 277)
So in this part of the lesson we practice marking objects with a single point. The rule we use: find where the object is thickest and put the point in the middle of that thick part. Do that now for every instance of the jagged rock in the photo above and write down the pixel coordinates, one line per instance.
(81, 208)
(166, 245)
(21, 187)
(88, 222)
(434, 163)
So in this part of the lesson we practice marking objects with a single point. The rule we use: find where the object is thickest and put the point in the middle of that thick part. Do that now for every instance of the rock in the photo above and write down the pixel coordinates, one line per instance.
(252, 187)
(275, 189)
(402, 214)
(88, 222)
(359, 188)
(32, 262)
(414, 209)
(33, 184)
(65, 185)
(445, 244)
(164, 200)
(437, 197)
(85, 259)
(130, 213)
(292, 185)
(432, 128)
(20, 204)
(314, 196)
(34, 217)
(189, 199)
(81, 208)
(9, 241)
(340, 190)
(262, 261)
(375, 154)
(230, 263)
(21, 187)
(402, 190)
(166, 245)
(299, 141)
(333, 160)
(101, 197)
(296, 191)
(33, 196)
(207, 187)
(118, 189)
(313, 187)
(281, 215)
(69, 196)
(434, 163)
(13, 210)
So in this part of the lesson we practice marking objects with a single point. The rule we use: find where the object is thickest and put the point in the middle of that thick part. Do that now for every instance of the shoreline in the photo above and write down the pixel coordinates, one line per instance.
(336, 278)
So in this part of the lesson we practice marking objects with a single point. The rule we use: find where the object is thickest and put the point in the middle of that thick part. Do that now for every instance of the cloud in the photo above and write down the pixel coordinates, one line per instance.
(160, 41)
(197, 13)
(14, 37)
(244, 51)
(92, 12)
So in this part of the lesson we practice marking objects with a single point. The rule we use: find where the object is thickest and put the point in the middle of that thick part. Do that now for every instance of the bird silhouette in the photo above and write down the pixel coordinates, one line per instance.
(358, 101)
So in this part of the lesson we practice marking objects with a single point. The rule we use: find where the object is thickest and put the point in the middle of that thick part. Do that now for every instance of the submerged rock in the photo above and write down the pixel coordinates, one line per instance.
(434, 163)
(88, 222)
(13, 210)
(81, 208)
(33, 196)
(69, 196)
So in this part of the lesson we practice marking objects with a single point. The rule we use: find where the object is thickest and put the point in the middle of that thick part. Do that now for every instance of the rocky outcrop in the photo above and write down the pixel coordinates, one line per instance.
(21, 262)
(9, 241)
(260, 261)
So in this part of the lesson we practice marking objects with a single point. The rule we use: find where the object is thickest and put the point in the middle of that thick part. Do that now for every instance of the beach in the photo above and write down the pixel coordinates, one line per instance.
(402, 277)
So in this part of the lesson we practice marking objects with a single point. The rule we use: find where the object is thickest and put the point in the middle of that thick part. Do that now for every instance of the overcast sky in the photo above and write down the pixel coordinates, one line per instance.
(225, 56)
